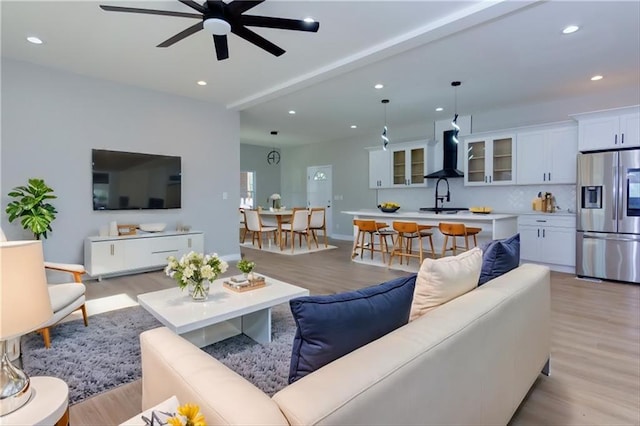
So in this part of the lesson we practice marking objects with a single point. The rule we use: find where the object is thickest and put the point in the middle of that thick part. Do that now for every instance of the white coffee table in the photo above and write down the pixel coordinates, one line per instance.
(225, 314)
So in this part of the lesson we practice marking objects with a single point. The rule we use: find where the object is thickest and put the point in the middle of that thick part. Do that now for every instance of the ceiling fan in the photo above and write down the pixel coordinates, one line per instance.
(220, 18)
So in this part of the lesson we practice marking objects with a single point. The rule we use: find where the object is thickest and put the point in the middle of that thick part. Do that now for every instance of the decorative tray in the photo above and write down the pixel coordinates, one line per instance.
(241, 287)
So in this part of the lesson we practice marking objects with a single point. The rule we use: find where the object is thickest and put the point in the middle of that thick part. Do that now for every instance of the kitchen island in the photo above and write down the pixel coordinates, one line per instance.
(494, 225)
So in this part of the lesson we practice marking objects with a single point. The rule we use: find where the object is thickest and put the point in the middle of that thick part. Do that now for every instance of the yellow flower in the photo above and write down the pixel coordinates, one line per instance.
(192, 414)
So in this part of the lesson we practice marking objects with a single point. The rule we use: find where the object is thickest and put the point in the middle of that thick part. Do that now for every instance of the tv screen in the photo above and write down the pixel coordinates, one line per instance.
(134, 181)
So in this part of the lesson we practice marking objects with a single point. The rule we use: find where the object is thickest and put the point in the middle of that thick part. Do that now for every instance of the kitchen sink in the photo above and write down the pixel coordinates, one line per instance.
(446, 210)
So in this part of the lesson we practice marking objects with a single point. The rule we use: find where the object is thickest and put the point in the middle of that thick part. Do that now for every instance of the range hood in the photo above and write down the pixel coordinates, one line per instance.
(450, 159)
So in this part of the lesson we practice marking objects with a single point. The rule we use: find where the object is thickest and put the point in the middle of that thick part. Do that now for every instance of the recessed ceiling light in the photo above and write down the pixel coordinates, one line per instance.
(309, 20)
(34, 40)
(570, 29)
(353, 126)
(202, 83)
(292, 112)
(379, 86)
(596, 78)
(439, 109)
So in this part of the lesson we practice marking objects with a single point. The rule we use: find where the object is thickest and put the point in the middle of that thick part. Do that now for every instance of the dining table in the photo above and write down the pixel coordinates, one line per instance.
(281, 216)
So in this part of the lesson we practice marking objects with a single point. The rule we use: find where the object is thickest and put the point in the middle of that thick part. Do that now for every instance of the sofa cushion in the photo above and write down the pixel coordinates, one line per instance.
(334, 325)
(499, 257)
(445, 279)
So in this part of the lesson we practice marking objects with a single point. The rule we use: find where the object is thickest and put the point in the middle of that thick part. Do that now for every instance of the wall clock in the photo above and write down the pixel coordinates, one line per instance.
(273, 157)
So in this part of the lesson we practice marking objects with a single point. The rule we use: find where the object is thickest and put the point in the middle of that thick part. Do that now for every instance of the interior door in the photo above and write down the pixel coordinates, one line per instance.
(320, 191)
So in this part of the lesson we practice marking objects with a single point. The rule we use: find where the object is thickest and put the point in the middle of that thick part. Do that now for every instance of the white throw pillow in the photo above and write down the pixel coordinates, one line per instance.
(445, 279)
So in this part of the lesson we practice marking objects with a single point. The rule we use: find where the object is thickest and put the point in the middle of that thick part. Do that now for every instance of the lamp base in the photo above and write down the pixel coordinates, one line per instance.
(15, 388)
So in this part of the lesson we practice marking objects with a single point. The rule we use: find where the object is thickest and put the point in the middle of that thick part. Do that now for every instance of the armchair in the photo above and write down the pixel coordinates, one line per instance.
(65, 298)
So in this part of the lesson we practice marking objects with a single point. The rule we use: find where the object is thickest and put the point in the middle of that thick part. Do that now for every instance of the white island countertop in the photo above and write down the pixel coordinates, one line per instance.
(494, 225)
(442, 217)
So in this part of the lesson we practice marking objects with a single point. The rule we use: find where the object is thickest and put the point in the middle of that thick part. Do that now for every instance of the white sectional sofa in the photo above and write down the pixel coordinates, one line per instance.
(471, 361)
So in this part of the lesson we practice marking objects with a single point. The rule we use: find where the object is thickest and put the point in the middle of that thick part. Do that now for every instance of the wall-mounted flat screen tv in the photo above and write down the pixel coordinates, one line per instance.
(135, 181)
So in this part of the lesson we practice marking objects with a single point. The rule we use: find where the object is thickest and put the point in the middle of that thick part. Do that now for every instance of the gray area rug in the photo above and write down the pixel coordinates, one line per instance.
(106, 354)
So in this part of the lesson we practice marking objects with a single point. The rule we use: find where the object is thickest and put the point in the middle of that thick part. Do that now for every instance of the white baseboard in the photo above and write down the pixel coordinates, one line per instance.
(342, 237)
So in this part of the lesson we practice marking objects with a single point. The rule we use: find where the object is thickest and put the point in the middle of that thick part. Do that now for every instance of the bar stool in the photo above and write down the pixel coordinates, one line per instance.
(455, 230)
(373, 229)
(407, 232)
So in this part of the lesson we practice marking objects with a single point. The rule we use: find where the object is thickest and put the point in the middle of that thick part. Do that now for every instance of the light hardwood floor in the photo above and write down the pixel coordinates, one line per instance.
(595, 358)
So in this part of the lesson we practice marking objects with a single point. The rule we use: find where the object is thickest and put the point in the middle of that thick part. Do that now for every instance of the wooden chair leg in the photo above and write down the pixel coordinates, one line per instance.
(326, 240)
(260, 240)
(84, 315)
(354, 252)
(444, 245)
(314, 233)
(393, 249)
(46, 336)
(77, 277)
(433, 251)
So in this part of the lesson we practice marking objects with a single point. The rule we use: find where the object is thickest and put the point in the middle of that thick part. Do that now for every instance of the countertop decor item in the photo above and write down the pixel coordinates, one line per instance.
(480, 210)
(31, 206)
(389, 207)
(195, 271)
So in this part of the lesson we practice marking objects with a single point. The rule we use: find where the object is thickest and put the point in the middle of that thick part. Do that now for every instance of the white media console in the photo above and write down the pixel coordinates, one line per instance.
(135, 253)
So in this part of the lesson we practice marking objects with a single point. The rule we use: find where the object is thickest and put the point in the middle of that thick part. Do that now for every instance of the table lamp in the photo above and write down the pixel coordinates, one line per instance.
(24, 306)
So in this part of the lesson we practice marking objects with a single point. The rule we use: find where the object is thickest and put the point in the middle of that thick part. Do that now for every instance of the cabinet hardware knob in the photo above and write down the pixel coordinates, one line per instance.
(622, 138)
(543, 234)
(615, 139)
(538, 233)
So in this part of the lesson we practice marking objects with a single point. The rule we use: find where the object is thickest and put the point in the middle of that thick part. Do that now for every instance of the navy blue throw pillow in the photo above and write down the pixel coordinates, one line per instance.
(499, 257)
(334, 325)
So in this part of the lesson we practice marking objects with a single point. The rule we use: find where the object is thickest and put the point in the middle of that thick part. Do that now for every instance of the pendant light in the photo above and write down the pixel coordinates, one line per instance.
(385, 138)
(454, 122)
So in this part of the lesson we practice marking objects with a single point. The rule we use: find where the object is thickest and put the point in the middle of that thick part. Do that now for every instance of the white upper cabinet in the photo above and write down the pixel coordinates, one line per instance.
(408, 164)
(610, 129)
(547, 155)
(379, 169)
(490, 159)
(402, 165)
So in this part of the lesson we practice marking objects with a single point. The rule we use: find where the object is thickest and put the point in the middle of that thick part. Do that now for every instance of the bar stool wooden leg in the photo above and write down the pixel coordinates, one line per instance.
(433, 251)
(444, 245)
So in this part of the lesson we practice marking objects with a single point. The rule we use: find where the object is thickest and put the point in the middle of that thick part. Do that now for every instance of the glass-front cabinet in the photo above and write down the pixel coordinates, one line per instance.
(490, 160)
(408, 165)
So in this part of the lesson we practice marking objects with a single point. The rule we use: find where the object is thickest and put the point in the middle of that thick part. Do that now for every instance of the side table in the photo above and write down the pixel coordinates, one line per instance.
(48, 405)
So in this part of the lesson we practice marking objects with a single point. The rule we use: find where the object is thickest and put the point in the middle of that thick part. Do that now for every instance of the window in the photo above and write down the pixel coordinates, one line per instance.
(247, 189)
(320, 176)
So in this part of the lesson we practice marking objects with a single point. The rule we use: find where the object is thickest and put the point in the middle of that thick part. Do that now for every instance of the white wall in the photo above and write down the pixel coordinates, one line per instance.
(52, 119)
(254, 158)
(350, 162)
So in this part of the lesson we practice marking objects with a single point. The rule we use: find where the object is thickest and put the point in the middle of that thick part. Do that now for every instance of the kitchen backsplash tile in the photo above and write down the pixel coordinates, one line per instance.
(511, 199)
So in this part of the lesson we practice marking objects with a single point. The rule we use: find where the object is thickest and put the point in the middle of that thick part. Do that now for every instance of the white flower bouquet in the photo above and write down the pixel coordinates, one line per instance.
(194, 268)
(275, 199)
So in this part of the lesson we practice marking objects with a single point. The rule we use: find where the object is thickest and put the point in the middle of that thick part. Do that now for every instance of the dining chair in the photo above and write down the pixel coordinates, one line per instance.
(407, 233)
(254, 225)
(455, 230)
(65, 297)
(373, 229)
(317, 222)
(243, 224)
(299, 225)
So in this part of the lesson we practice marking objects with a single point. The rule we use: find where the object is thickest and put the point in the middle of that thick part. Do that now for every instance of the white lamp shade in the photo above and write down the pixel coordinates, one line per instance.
(24, 297)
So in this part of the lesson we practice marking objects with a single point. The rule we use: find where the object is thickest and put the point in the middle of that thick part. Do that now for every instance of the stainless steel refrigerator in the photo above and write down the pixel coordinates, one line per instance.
(608, 219)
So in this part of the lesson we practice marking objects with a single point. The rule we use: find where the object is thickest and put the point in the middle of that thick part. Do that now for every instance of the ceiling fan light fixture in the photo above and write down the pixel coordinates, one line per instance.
(217, 26)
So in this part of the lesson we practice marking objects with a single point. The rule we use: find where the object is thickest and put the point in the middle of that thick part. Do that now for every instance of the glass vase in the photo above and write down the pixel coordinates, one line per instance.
(199, 291)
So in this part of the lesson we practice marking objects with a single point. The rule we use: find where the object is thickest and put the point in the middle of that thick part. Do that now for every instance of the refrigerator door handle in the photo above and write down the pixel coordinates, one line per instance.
(614, 237)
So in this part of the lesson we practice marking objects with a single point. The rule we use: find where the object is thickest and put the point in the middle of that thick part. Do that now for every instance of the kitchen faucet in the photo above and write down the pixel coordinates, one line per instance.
(445, 197)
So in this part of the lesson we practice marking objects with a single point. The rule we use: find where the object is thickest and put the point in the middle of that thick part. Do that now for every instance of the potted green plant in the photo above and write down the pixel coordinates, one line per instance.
(32, 207)
(246, 267)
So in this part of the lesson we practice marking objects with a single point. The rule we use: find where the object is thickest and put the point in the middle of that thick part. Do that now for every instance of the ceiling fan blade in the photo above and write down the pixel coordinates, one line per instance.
(149, 11)
(182, 34)
(222, 48)
(238, 7)
(256, 39)
(281, 23)
(192, 4)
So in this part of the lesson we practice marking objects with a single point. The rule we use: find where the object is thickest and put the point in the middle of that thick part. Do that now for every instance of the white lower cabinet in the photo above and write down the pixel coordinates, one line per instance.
(134, 253)
(548, 239)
